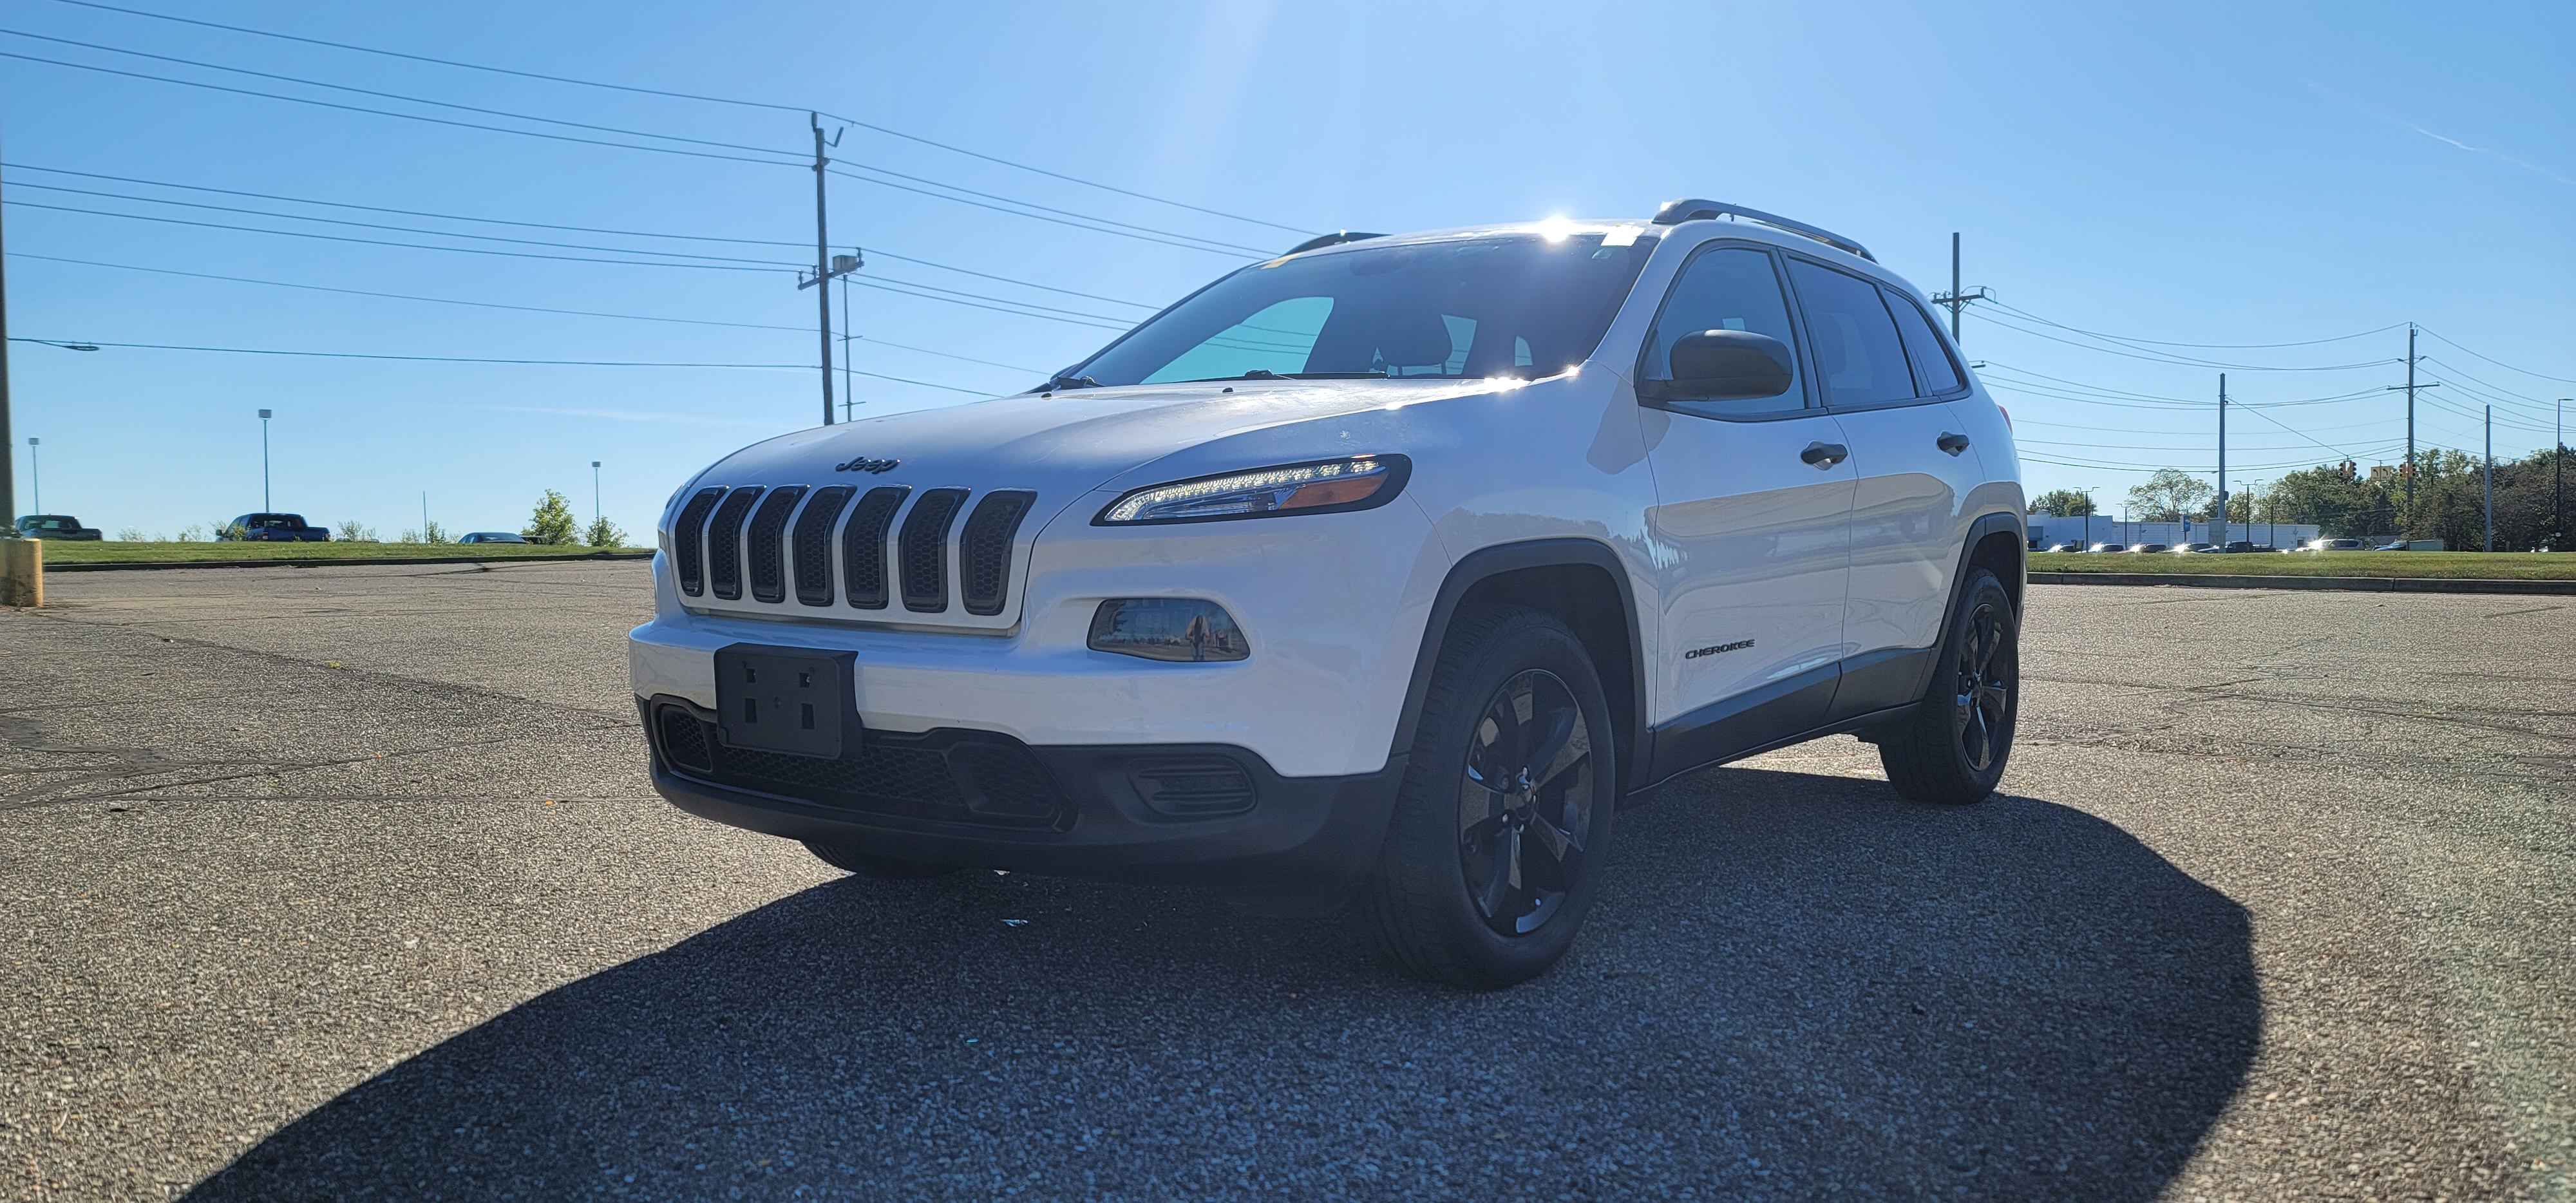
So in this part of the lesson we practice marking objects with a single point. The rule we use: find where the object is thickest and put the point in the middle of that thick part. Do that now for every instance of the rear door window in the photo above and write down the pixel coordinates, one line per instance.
(1934, 374)
(1858, 354)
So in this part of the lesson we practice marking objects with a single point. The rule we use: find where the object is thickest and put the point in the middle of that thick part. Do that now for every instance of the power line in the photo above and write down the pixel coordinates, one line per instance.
(2498, 362)
(418, 246)
(784, 108)
(2123, 338)
(2011, 323)
(573, 363)
(396, 296)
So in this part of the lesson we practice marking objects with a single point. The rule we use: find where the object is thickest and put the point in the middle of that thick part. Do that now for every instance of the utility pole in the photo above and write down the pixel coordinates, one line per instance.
(826, 264)
(2409, 387)
(2218, 528)
(594, 492)
(2087, 491)
(2490, 481)
(8, 463)
(2558, 484)
(264, 504)
(1957, 298)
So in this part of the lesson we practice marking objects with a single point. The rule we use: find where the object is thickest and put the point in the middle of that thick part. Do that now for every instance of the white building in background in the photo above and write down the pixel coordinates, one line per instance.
(2046, 528)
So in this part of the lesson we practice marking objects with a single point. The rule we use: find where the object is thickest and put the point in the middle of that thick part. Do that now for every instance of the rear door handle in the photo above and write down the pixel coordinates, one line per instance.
(1825, 455)
(1952, 443)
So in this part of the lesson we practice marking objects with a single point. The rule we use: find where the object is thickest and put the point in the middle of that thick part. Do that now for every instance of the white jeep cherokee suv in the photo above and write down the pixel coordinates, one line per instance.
(1395, 567)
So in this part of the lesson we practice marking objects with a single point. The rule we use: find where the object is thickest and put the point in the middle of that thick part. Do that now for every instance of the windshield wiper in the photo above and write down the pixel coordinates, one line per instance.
(1063, 383)
(1267, 374)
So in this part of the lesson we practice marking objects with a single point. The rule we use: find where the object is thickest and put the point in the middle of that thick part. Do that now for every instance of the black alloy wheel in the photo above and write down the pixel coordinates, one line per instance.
(1525, 805)
(1954, 745)
(1494, 852)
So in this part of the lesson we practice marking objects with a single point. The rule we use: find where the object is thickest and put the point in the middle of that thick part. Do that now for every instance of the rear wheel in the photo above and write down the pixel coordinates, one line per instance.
(1500, 830)
(1954, 747)
(851, 860)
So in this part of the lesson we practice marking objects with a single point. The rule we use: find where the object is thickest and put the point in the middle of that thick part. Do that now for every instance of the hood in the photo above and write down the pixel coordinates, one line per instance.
(959, 493)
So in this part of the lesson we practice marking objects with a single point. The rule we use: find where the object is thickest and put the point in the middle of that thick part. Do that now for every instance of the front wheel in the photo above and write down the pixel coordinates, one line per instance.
(1504, 817)
(1954, 747)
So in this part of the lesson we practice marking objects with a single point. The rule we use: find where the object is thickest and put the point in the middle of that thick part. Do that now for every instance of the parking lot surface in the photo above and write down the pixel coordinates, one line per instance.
(325, 883)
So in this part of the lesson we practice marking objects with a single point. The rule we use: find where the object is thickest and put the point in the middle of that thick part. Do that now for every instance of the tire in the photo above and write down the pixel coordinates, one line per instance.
(849, 860)
(1486, 790)
(1953, 749)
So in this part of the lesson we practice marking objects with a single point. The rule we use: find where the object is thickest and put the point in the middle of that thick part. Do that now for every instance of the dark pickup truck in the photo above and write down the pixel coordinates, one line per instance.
(53, 526)
(276, 528)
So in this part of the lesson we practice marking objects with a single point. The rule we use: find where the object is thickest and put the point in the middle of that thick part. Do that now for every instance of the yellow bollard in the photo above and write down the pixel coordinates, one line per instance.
(22, 572)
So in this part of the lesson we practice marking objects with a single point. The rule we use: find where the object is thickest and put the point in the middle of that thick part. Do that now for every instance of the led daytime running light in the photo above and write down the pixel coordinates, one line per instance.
(1294, 489)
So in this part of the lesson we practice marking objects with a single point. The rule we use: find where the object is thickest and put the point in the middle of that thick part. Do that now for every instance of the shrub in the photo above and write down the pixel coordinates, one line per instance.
(434, 533)
(553, 521)
(352, 532)
(604, 533)
(191, 534)
(129, 535)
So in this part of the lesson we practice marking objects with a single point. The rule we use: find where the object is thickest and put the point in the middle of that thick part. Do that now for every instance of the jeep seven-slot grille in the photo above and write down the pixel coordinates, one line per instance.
(768, 565)
(765, 534)
(925, 550)
(813, 543)
(688, 541)
(984, 551)
(863, 558)
(724, 542)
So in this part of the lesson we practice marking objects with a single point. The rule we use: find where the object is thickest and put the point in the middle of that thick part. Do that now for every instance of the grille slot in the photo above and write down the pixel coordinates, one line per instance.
(688, 541)
(724, 543)
(684, 741)
(984, 551)
(1194, 786)
(768, 567)
(863, 542)
(813, 544)
(925, 550)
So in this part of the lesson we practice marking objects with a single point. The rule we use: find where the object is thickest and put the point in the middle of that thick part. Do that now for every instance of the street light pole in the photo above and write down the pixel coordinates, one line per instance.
(36, 472)
(264, 502)
(594, 492)
(8, 471)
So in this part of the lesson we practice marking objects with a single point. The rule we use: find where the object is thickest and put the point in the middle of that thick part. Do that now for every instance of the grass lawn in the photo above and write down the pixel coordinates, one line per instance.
(2554, 566)
(118, 552)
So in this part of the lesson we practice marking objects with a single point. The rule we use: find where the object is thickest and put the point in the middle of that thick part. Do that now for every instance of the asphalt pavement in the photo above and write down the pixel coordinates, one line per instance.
(334, 883)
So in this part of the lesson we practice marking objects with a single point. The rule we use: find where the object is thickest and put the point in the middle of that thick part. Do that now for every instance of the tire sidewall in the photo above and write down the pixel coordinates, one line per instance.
(1982, 588)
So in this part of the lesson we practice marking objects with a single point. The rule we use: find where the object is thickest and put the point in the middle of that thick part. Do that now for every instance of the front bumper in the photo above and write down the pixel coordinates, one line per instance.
(985, 800)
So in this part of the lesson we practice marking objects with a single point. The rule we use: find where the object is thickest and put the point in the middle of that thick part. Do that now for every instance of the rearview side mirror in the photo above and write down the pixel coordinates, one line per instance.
(1727, 365)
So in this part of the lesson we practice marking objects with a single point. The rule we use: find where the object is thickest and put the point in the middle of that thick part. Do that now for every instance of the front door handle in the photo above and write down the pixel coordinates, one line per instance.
(1825, 455)
(1952, 443)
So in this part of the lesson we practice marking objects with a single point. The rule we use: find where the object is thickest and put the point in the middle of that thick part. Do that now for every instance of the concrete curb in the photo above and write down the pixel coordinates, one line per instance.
(348, 561)
(2366, 584)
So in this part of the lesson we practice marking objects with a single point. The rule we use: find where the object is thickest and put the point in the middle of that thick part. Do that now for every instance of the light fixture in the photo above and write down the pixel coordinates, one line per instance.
(1323, 487)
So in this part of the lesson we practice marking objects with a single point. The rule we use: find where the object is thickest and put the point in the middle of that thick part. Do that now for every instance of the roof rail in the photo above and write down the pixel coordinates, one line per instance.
(1676, 212)
(1320, 241)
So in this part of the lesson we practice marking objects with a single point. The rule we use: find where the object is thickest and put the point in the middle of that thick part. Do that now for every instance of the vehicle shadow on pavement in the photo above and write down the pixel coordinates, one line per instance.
(1796, 984)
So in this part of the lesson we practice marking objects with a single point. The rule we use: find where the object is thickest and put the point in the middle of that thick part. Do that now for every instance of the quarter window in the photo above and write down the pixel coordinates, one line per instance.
(1730, 288)
(1933, 371)
(1857, 351)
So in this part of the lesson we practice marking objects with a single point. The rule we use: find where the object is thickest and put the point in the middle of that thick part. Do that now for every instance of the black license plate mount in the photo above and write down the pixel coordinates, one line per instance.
(785, 699)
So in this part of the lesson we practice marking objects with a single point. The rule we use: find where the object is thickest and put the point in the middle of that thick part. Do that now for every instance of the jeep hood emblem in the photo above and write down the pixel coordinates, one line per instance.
(873, 467)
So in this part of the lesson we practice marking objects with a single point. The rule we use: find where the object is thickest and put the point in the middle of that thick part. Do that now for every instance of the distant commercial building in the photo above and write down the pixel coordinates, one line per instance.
(2046, 528)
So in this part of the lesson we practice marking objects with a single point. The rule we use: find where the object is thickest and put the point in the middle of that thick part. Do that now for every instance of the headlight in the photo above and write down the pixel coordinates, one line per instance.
(1327, 487)
(1167, 628)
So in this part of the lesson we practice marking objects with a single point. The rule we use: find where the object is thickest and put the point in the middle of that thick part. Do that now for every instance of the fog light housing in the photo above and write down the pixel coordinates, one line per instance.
(1181, 630)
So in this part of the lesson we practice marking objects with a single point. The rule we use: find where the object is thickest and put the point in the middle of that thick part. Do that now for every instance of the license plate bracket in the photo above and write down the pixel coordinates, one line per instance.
(785, 699)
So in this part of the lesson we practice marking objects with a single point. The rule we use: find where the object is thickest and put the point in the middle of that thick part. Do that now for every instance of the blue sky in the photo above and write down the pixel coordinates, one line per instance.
(2220, 174)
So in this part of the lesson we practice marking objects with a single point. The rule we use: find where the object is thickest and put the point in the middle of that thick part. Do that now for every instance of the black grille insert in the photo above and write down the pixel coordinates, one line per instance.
(688, 541)
(952, 776)
(813, 544)
(984, 551)
(768, 566)
(1190, 787)
(863, 558)
(925, 550)
(724, 543)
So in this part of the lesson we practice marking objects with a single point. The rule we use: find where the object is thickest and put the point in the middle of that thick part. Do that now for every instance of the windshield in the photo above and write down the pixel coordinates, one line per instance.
(1509, 305)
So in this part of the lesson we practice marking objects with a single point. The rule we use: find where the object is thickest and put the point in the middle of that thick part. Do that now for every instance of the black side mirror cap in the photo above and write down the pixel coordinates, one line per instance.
(1726, 365)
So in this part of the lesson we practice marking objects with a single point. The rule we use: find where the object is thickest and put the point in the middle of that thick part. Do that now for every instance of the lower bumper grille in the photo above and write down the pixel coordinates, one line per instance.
(949, 776)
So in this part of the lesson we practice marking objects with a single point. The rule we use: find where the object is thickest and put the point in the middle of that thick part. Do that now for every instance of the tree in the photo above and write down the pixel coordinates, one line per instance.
(604, 533)
(353, 531)
(2064, 503)
(553, 522)
(2168, 495)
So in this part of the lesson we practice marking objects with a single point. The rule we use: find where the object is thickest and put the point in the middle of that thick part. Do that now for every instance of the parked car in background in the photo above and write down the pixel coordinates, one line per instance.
(2104, 549)
(54, 526)
(2077, 547)
(2196, 549)
(2336, 545)
(2148, 548)
(2241, 546)
(493, 536)
(275, 528)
